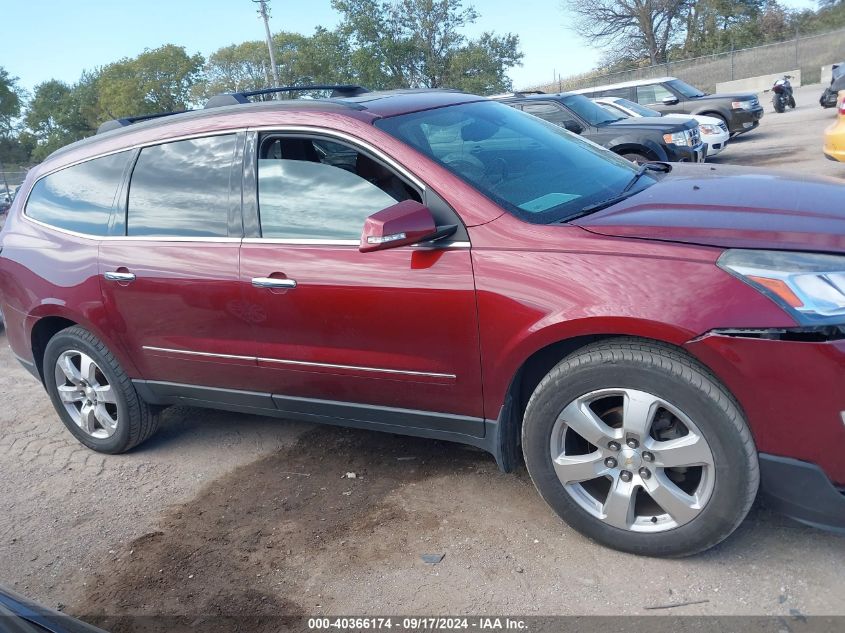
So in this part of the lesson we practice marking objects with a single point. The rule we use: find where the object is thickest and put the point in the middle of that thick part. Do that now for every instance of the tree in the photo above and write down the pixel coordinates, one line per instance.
(55, 117)
(157, 80)
(629, 29)
(418, 43)
(11, 100)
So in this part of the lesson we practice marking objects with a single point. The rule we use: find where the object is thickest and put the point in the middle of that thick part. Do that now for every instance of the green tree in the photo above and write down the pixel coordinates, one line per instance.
(157, 80)
(419, 43)
(55, 117)
(11, 101)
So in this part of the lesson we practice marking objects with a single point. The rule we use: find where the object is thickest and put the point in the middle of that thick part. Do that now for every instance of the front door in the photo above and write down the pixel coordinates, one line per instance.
(170, 285)
(392, 330)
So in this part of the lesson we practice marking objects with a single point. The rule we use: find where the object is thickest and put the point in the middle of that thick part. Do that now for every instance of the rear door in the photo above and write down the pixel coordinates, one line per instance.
(170, 284)
(393, 330)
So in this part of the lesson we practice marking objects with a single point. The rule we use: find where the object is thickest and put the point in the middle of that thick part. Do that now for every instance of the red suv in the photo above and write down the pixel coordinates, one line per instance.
(655, 341)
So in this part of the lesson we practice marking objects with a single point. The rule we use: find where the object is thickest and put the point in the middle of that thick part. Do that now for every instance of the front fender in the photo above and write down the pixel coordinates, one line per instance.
(634, 143)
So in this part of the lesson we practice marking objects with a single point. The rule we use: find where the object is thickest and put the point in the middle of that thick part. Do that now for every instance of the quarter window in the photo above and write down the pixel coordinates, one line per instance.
(182, 188)
(80, 198)
(322, 190)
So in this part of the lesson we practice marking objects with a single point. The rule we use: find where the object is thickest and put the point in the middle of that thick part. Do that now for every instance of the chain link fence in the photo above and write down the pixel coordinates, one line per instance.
(808, 54)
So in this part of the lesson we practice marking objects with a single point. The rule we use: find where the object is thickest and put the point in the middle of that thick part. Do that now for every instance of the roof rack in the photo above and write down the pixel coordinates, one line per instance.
(516, 93)
(129, 120)
(233, 98)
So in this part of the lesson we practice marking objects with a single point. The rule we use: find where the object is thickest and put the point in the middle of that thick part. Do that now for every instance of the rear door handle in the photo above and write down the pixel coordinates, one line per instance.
(116, 276)
(272, 282)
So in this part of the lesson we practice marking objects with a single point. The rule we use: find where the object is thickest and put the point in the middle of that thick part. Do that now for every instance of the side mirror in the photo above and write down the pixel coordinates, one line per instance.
(670, 100)
(573, 126)
(404, 223)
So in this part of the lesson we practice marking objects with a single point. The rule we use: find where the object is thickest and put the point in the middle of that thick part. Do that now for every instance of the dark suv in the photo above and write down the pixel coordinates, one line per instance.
(740, 111)
(638, 139)
(656, 341)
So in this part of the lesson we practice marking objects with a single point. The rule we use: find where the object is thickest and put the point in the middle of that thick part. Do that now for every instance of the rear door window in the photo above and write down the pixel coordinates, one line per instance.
(181, 189)
(549, 111)
(81, 198)
(652, 94)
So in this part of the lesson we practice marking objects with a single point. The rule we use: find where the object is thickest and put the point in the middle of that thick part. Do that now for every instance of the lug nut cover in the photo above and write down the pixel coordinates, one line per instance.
(614, 446)
(610, 462)
(632, 443)
(645, 473)
(648, 457)
(625, 476)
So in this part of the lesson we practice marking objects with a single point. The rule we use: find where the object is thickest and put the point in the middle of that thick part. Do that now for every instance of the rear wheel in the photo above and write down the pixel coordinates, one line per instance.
(636, 445)
(93, 395)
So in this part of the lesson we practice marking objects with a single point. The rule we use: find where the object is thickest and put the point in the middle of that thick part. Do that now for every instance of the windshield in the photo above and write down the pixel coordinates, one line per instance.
(637, 108)
(536, 170)
(685, 89)
(589, 111)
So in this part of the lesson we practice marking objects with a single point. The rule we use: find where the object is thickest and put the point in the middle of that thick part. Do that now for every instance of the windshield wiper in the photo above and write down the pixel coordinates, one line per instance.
(625, 193)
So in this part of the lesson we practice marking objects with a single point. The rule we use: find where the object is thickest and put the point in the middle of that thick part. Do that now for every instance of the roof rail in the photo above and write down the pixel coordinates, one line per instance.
(516, 93)
(129, 120)
(233, 98)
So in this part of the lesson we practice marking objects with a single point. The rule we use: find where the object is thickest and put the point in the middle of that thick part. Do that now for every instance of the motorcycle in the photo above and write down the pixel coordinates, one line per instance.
(782, 94)
(837, 83)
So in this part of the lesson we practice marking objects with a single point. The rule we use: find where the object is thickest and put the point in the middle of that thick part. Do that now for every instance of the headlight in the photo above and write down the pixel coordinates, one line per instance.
(741, 105)
(678, 138)
(708, 129)
(810, 287)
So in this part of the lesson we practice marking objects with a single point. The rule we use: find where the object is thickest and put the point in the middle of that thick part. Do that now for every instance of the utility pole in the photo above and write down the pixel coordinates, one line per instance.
(264, 12)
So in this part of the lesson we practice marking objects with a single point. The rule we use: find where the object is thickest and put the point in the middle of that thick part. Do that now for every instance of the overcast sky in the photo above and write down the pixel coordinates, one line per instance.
(45, 39)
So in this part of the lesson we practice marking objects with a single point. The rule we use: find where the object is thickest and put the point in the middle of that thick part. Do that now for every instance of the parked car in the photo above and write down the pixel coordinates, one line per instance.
(834, 136)
(638, 140)
(655, 341)
(21, 615)
(714, 132)
(837, 83)
(741, 112)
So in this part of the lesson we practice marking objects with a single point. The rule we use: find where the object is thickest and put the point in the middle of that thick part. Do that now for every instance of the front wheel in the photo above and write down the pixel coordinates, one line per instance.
(637, 446)
(778, 105)
(634, 157)
(92, 394)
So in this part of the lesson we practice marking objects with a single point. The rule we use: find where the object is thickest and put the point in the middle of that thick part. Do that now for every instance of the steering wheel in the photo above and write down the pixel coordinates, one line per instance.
(466, 165)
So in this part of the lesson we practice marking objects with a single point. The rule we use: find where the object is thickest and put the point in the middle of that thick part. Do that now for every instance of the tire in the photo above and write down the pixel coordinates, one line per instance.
(778, 105)
(687, 410)
(636, 158)
(101, 407)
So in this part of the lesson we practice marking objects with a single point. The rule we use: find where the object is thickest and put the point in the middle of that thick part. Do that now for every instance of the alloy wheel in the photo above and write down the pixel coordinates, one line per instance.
(86, 394)
(632, 460)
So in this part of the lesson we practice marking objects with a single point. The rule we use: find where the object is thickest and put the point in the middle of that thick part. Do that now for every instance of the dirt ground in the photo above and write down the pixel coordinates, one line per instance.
(233, 514)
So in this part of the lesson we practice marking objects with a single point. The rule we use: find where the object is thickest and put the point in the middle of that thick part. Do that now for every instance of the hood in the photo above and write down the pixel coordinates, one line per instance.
(656, 124)
(701, 119)
(731, 207)
(733, 96)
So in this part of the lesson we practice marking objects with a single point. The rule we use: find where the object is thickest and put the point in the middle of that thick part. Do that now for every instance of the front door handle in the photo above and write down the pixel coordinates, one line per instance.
(118, 276)
(272, 282)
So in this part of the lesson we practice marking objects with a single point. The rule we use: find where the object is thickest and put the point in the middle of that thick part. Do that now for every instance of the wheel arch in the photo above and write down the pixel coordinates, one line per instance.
(47, 320)
(652, 151)
(541, 358)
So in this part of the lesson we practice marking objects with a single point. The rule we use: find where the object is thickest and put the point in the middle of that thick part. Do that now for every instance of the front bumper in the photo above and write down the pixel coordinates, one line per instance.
(801, 491)
(686, 154)
(744, 120)
(791, 392)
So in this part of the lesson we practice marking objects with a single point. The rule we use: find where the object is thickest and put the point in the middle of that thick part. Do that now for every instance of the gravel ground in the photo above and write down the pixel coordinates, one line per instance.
(226, 513)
